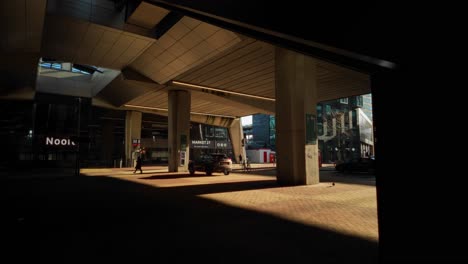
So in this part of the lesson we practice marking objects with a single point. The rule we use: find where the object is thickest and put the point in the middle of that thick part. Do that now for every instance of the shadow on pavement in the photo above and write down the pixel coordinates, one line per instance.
(165, 175)
(334, 176)
(83, 219)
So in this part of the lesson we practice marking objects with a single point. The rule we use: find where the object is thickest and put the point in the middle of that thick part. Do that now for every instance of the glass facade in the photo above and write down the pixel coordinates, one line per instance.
(16, 131)
(344, 128)
(206, 139)
(98, 134)
(261, 130)
(50, 132)
(272, 141)
(154, 139)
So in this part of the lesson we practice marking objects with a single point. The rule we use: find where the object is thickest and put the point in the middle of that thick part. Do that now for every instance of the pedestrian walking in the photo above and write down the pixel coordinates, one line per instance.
(138, 165)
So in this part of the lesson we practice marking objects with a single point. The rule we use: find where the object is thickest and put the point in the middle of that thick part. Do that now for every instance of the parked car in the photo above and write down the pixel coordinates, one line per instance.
(210, 163)
(357, 165)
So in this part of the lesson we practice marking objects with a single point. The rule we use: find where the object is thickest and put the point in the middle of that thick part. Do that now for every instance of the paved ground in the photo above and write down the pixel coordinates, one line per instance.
(115, 215)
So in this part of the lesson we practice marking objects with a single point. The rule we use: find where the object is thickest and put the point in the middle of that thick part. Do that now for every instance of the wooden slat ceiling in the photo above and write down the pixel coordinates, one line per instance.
(191, 51)
(249, 68)
(246, 68)
(200, 102)
(338, 82)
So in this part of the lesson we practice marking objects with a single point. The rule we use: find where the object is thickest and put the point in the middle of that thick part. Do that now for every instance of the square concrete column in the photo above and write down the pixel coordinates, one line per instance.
(296, 142)
(132, 131)
(179, 130)
(237, 134)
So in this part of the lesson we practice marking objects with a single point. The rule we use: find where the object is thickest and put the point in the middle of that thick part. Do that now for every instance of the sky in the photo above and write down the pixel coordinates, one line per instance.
(246, 120)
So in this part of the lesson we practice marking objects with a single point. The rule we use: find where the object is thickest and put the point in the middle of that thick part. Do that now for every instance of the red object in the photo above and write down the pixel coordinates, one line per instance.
(264, 157)
(272, 158)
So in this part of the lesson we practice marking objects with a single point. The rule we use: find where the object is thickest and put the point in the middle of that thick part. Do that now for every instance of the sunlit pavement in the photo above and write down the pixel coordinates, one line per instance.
(349, 206)
(244, 213)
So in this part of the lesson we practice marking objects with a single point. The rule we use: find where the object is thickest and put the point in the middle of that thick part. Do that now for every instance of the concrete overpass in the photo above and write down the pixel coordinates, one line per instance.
(154, 55)
(215, 63)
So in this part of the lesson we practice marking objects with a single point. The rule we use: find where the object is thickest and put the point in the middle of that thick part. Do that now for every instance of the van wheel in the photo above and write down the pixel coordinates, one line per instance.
(192, 172)
(209, 172)
(226, 172)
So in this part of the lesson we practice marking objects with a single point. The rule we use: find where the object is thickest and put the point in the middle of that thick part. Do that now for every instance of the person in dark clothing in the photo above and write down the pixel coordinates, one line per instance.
(138, 165)
(240, 159)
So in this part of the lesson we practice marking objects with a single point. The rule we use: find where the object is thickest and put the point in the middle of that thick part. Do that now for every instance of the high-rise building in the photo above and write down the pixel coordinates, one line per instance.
(263, 133)
(344, 128)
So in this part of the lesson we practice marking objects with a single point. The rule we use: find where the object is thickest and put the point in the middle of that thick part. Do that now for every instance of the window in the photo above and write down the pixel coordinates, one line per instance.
(57, 66)
(209, 131)
(328, 109)
(220, 132)
(344, 100)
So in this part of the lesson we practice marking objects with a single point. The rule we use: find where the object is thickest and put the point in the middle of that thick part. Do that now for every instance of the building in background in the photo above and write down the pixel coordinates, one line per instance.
(263, 133)
(58, 132)
(205, 139)
(345, 128)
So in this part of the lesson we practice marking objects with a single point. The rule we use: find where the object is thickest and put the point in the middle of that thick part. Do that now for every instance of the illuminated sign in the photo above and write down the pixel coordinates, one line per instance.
(51, 141)
(202, 144)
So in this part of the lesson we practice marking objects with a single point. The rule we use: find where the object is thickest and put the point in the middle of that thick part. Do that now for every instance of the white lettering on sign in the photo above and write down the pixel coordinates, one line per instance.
(59, 141)
(201, 142)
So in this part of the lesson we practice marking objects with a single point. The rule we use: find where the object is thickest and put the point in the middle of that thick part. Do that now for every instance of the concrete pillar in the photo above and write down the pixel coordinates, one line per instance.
(132, 131)
(297, 146)
(178, 129)
(237, 134)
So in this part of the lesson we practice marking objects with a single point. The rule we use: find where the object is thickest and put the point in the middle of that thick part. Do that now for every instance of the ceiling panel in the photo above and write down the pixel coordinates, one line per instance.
(105, 44)
(147, 15)
(78, 41)
(138, 46)
(89, 42)
(184, 46)
(119, 47)
(21, 24)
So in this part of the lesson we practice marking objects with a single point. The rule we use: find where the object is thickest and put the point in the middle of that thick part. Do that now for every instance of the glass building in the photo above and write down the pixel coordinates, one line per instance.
(205, 139)
(263, 132)
(66, 132)
(344, 128)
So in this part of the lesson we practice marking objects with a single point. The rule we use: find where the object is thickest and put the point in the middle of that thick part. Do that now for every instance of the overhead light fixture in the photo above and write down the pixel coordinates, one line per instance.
(201, 87)
(146, 107)
(166, 110)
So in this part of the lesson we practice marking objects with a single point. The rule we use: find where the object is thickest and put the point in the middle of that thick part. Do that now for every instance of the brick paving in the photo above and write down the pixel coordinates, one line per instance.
(347, 208)
(113, 214)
